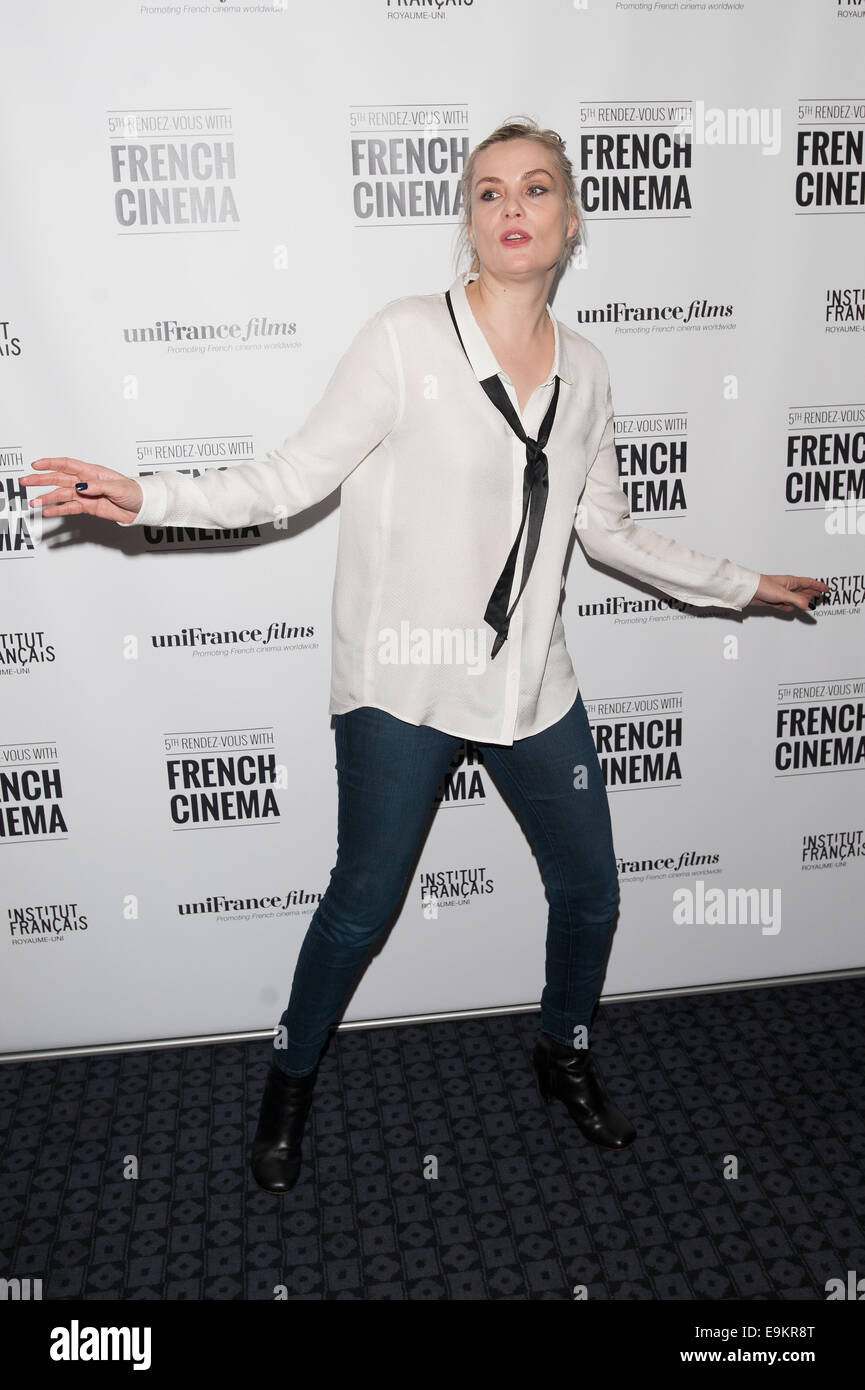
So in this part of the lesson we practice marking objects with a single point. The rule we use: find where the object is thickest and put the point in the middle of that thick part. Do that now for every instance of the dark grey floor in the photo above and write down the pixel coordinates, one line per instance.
(522, 1207)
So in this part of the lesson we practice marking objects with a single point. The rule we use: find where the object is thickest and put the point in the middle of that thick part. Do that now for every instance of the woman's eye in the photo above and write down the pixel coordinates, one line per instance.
(533, 188)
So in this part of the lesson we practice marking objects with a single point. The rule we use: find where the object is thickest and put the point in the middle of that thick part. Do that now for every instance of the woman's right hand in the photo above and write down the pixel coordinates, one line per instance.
(109, 495)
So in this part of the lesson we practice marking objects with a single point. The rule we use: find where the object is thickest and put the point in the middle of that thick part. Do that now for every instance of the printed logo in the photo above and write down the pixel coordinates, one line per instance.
(639, 739)
(172, 170)
(825, 463)
(829, 154)
(212, 784)
(31, 793)
(820, 727)
(406, 163)
(652, 453)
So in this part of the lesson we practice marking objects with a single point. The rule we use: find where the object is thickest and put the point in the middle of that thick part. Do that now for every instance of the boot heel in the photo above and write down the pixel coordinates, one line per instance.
(543, 1085)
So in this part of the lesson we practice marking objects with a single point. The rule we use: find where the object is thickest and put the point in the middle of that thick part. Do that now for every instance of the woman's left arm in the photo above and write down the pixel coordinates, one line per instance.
(608, 533)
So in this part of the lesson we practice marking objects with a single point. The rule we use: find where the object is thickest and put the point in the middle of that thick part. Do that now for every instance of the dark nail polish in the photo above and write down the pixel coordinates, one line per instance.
(80, 487)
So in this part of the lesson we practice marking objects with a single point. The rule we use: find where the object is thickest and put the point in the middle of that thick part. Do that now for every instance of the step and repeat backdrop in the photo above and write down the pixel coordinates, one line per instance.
(202, 204)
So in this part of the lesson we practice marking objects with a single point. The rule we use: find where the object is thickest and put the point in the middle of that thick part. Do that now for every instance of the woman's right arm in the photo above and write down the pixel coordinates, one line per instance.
(360, 406)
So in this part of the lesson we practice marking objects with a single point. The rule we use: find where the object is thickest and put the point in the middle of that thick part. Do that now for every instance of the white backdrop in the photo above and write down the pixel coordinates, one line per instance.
(224, 164)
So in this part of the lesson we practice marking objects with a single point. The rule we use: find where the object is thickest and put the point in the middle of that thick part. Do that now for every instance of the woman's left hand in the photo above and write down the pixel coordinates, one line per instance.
(788, 591)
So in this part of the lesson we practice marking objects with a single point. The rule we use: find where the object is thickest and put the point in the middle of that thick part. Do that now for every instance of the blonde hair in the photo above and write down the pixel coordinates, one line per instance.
(521, 128)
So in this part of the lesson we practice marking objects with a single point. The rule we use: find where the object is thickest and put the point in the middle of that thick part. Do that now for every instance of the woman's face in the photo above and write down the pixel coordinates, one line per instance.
(517, 189)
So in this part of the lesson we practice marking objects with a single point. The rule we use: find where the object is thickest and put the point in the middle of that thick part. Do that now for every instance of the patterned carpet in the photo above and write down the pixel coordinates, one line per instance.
(521, 1208)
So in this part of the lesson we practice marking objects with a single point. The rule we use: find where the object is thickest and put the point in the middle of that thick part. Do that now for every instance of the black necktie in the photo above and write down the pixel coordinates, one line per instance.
(535, 488)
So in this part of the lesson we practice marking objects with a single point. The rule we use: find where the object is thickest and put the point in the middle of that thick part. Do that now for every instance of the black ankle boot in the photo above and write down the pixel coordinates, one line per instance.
(275, 1158)
(566, 1073)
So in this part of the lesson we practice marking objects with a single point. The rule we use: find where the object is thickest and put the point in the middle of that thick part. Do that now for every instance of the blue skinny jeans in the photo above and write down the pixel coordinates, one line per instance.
(388, 773)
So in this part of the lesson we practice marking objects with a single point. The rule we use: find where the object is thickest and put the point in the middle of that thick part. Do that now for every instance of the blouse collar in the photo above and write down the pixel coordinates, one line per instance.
(480, 354)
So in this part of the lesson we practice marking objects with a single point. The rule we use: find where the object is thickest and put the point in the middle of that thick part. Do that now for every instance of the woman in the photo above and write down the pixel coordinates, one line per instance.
(445, 607)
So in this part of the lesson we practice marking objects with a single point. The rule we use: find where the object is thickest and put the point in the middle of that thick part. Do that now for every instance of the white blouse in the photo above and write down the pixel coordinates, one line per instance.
(432, 495)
